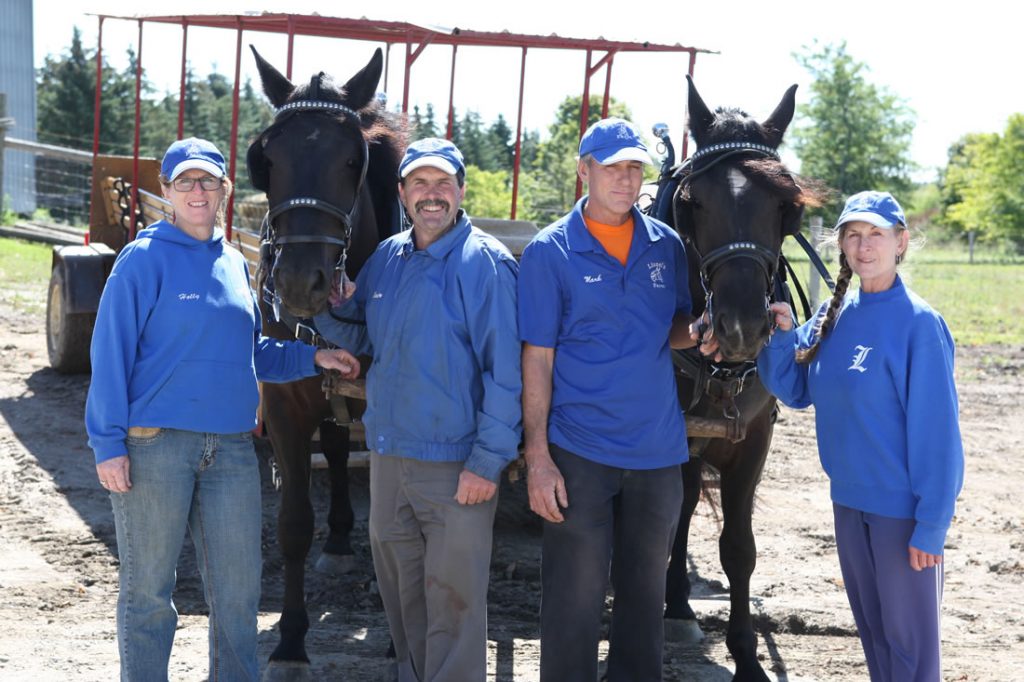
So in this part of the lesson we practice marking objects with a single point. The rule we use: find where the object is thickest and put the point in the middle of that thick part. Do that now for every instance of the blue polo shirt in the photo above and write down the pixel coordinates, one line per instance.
(613, 395)
(445, 382)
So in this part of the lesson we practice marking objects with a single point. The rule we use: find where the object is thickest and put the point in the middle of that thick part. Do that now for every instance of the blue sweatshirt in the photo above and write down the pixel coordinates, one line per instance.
(445, 383)
(178, 342)
(886, 407)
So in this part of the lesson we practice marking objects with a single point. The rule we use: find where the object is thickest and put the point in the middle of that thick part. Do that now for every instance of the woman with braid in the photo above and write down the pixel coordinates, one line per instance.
(877, 364)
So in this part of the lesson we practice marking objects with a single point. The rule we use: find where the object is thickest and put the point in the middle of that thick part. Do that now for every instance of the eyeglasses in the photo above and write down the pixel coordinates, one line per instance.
(207, 182)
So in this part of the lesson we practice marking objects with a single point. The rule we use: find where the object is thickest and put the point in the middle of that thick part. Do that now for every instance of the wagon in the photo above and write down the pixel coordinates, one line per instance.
(125, 195)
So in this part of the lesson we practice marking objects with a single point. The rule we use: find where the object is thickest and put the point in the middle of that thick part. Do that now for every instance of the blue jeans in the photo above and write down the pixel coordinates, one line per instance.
(210, 484)
(624, 519)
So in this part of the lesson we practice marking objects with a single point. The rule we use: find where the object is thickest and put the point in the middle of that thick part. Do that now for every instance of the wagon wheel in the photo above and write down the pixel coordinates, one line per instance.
(67, 334)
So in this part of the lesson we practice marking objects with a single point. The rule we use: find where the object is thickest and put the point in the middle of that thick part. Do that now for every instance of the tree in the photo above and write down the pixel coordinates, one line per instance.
(488, 193)
(853, 135)
(500, 141)
(981, 185)
(65, 97)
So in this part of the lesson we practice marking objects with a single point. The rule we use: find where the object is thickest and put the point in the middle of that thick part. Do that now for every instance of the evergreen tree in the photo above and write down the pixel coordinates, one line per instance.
(501, 144)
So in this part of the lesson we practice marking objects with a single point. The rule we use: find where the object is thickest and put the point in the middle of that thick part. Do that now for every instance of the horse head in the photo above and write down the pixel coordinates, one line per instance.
(735, 204)
(313, 163)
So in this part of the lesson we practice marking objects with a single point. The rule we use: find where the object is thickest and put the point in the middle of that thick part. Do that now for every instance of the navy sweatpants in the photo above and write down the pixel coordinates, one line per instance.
(895, 607)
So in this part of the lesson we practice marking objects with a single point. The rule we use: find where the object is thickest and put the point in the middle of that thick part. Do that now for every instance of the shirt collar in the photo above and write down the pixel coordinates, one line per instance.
(443, 246)
(578, 237)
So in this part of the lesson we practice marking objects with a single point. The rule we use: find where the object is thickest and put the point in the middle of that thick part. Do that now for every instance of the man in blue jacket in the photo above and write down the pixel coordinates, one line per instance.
(443, 414)
(602, 293)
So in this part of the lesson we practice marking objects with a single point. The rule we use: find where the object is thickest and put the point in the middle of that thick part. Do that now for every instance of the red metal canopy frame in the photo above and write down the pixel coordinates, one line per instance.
(415, 37)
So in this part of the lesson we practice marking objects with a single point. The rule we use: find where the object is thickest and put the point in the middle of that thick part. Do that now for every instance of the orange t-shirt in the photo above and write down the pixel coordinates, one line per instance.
(616, 239)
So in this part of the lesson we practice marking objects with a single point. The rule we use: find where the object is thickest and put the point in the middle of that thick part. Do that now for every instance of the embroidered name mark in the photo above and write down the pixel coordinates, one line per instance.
(590, 279)
(656, 268)
(859, 357)
(188, 297)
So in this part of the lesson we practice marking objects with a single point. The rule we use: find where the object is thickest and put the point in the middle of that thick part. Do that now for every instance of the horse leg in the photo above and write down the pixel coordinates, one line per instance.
(337, 556)
(681, 622)
(738, 551)
(290, 434)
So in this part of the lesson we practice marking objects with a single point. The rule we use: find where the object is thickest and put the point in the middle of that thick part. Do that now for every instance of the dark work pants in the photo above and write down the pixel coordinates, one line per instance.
(625, 519)
(895, 607)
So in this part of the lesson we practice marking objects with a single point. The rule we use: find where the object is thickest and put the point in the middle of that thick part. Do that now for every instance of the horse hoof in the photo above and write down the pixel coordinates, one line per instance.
(287, 671)
(335, 564)
(682, 631)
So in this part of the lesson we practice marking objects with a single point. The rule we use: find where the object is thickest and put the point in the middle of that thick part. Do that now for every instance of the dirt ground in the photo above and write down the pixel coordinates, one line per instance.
(58, 570)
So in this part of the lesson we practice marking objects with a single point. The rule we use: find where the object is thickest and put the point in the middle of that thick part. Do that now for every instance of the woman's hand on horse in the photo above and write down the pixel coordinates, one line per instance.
(339, 359)
(113, 474)
(783, 315)
(341, 291)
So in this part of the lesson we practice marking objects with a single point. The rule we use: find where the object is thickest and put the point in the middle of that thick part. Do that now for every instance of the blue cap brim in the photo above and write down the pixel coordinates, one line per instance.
(624, 154)
(867, 217)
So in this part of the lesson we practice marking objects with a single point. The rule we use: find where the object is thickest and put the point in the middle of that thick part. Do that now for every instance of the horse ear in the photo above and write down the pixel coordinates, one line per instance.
(792, 218)
(276, 86)
(700, 117)
(776, 124)
(256, 162)
(361, 88)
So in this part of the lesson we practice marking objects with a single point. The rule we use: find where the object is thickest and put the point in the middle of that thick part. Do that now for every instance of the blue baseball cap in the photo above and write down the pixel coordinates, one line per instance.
(192, 153)
(877, 208)
(611, 140)
(434, 152)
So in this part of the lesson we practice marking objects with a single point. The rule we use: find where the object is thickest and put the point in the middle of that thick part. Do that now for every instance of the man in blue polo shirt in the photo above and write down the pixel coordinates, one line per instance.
(443, 414)
(602, 291)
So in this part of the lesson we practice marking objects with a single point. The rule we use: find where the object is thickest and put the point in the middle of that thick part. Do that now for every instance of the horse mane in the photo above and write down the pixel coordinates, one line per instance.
(731, 124)
(386, 136)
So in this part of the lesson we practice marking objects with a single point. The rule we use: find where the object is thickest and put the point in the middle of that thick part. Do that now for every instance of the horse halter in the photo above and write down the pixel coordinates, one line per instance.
(710, 262)
(270, 241)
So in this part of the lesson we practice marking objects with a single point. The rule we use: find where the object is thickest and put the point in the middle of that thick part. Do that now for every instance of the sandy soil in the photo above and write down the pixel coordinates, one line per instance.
(58, 569)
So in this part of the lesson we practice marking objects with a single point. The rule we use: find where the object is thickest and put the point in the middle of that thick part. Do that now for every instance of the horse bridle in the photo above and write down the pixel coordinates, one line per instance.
(270, 241)
(710, 262)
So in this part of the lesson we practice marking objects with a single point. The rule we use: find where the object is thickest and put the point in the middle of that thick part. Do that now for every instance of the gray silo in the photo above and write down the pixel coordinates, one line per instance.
(17, 81)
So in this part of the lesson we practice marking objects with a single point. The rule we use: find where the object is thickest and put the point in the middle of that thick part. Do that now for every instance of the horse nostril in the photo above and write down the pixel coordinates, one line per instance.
(320, 282)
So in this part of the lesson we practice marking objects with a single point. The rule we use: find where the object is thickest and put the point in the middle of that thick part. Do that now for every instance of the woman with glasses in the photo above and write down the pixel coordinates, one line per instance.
(176, 354)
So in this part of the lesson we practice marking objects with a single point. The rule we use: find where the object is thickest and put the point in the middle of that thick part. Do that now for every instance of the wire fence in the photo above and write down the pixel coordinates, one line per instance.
(48, 180)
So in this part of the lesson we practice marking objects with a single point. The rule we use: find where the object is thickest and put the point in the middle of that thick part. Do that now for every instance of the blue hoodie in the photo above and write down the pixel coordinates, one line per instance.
(885, 407)
(178, 342)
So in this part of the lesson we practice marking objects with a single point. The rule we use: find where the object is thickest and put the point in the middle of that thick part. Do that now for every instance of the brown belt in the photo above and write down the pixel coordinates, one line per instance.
(143, 431)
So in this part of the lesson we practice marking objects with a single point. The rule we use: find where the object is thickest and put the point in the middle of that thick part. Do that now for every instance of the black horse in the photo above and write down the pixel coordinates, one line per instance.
(734, 203)
(328, 164)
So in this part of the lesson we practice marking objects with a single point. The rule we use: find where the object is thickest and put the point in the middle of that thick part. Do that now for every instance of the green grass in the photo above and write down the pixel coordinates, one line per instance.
(24, 273)
(982, 302)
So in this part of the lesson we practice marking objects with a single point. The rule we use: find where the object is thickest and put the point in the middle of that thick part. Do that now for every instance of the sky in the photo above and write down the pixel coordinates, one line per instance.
(956, 64)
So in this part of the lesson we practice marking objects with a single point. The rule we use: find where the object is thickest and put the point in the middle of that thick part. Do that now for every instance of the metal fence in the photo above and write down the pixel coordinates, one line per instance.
(59, 182)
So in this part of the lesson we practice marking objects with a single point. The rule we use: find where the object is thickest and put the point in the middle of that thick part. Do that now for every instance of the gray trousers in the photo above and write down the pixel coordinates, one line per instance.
(432, 557)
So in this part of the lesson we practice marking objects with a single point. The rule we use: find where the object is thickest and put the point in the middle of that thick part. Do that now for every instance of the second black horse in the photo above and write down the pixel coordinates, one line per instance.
(734, 203)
